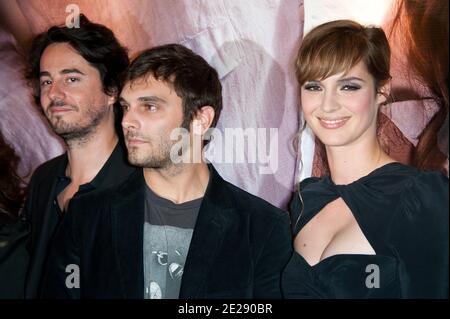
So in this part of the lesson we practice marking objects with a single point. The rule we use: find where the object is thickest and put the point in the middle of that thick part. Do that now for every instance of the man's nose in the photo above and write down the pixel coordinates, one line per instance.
(55, 93)
(130, 120)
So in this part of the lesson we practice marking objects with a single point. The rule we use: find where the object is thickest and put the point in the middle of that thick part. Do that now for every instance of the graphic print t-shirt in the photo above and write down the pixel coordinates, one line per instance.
(168, 231)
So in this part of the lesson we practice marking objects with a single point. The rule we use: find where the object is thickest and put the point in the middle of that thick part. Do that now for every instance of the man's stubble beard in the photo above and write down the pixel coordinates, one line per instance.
(158, 157)
(72, 132)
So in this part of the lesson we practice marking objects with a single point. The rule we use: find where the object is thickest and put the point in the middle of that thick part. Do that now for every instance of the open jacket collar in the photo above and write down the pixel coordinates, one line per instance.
(127, 216)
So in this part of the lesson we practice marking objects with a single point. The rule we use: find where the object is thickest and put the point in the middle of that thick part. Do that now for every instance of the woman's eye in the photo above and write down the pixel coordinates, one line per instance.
(124, 108)
(350, 87)
(312, 87)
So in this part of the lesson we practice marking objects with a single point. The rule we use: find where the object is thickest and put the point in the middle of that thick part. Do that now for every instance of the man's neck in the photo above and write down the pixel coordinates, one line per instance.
(180, 183)
(86, 159)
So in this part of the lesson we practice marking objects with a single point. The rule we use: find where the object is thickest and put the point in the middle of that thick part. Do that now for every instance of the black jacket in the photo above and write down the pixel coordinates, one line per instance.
(13, 257)
(38, 207)
(239, 246)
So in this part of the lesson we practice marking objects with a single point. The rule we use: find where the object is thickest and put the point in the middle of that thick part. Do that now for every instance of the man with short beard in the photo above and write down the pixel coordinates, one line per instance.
(175, 228)
(75, 76)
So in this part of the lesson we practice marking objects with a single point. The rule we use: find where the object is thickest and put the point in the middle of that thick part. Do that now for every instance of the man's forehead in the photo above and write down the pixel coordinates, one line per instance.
(62, 56)
(61, 50)
(147, 85)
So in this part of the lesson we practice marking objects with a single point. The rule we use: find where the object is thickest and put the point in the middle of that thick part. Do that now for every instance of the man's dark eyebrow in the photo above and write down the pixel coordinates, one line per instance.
(151, 99)
(122, 100)
(44, 73)
(65, 71)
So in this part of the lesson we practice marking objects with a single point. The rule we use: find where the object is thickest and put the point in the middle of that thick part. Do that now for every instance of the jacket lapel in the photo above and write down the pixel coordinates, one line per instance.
(127, 218)
(44, 227)
(46, 223)
(214, 218)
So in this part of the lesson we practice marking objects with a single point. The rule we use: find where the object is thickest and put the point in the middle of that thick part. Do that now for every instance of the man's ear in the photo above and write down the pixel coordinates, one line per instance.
(204, 118)
(113, 95)
(383, 93)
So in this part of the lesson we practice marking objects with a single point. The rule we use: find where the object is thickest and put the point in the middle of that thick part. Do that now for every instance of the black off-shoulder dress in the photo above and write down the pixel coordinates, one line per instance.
(404, 214)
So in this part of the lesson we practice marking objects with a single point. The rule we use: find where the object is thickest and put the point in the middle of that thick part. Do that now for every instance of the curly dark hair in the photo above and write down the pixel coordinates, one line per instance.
(94, 42)
(11, 186)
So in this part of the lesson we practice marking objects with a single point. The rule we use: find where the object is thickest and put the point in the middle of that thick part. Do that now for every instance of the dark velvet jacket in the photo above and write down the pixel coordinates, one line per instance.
(38, 207)
(239, 246)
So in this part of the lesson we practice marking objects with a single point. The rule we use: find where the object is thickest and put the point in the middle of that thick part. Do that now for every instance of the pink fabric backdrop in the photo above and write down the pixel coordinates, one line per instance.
(251, 43)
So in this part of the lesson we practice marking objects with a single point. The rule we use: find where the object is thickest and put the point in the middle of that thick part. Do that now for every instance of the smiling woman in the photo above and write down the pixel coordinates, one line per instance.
(371, 213)
(347, 100)
(343, 71)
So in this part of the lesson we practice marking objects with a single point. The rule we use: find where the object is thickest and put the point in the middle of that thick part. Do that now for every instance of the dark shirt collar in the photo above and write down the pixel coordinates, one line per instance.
(116, 166)
(106, 175)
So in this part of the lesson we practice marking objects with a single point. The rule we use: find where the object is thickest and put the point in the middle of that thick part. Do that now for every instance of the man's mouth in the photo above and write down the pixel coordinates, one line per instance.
(60, 109)
(135, 141)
